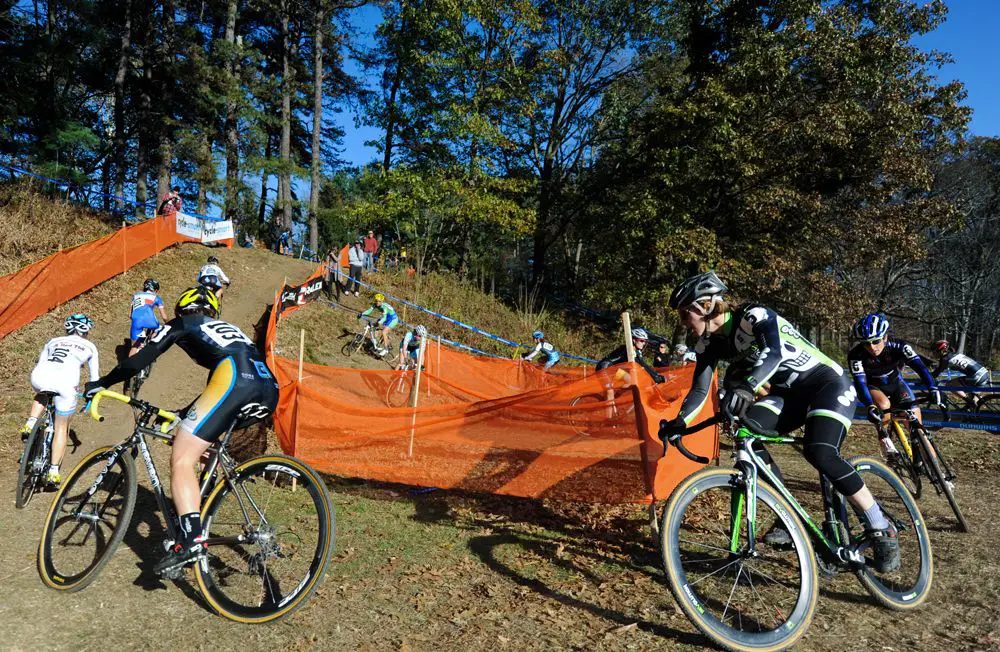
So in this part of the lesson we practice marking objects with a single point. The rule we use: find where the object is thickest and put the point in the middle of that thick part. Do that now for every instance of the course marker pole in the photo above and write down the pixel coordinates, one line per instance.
(416, 392)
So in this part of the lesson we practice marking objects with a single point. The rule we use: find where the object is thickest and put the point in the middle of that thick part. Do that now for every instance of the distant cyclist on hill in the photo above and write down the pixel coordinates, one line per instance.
(212, 277)
(972, 374)
(241, 390)
(410, 346)
(58, 371)
(386, 323)
(143, 316)
(639, 339)
(544, 348)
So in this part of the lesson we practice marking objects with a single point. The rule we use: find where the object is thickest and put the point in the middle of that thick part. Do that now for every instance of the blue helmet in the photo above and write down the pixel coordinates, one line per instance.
(538, 335)
(872, 326)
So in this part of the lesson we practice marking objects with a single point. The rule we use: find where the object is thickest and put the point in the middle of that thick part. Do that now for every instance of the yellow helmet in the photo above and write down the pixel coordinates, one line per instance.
(380, 297)
(197, 299)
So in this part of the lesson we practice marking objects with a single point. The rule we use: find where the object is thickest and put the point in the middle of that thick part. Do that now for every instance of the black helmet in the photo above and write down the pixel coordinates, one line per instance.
(151, 285)
(213, 259)
(197, 298)
(697, 288)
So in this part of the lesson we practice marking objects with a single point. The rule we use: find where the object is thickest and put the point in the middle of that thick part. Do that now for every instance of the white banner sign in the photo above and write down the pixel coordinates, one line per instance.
(204, 230)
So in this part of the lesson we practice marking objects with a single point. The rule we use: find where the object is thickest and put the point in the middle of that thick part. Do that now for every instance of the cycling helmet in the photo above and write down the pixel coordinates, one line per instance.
(421, 330)
(698, 288)
(538, 335)
(78, 323)
(941, 346)
(197, 299)
(640, 334)
(872, 326)
(380, 297)
(212, 260)
(681, 349)
(151, 285)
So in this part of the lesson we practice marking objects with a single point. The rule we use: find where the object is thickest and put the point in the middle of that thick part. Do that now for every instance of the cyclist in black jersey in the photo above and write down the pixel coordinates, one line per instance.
(876, 362)
(639, 339)
(241, 390)
(972, 373)
(804, 387)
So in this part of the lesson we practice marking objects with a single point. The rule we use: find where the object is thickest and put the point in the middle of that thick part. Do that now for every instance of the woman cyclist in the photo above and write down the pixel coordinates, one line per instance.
(805, 388)
(544, 348)
(386, 323)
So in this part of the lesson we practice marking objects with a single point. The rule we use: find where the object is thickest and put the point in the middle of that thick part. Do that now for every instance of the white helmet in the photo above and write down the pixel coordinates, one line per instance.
(78, 324)
(640, 334)
(681, 349)
(421, 330)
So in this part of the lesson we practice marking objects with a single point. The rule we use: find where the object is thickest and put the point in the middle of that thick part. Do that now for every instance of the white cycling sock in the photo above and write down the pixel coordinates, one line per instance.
(30, 423)
(876, 519)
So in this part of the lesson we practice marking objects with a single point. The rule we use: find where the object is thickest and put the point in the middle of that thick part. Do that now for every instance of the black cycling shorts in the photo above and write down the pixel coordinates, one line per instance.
(230, 397)
(898, 392)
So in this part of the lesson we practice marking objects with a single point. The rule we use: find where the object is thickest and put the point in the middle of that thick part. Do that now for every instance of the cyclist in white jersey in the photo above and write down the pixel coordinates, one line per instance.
(212, 277)
(58, 371)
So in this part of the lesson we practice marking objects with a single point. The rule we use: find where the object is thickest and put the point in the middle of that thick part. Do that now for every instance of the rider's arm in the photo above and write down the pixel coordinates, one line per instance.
(914, 362)
(535, 351)
(162, 339)
(94, 365)
(763, 324)
(641, 359)
(159, 306)
(700, 385)
(615, 357)
(366, 312)
(860, 380)
(223, 277)
(941, 365)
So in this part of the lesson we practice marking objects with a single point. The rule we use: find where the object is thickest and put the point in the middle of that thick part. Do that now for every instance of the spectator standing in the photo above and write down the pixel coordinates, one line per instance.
(356, 259)
(171, 202)
(661, 358)
(371, 248)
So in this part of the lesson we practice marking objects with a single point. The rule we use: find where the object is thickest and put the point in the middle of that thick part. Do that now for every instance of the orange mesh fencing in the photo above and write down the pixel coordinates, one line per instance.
(34, 290)
(488, 425)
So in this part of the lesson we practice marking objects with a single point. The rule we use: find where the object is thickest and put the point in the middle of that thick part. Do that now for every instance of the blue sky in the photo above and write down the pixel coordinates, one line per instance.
(971, 34)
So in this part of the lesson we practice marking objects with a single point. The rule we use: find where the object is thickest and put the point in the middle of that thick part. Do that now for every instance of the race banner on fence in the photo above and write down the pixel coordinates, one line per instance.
(203, 230)
(297, 295)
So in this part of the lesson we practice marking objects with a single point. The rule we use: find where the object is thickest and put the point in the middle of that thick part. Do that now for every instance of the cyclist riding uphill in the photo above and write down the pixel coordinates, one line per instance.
(548, 352)
(971, 373)
(143, 315)
(386, 323)
(241, 390)
(212, 277)
(876, 362)
(410, 347)
(806, 388)
(58, 371)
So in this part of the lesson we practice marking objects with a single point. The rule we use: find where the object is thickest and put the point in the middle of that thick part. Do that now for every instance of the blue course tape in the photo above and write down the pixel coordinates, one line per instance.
(454, 321)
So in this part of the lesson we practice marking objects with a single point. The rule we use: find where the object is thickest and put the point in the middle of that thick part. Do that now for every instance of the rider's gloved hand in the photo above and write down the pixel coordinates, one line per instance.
(91, 388)
(658, 378)
(874, 415)
(936, 398)
(670, 428)
(736, 401)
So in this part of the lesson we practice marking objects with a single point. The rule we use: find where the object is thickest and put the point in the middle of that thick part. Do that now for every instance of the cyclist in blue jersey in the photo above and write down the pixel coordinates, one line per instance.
(410, 346)
(876, 362)
(972, 374)
(386, 323)
(143, 316)
(543, 347)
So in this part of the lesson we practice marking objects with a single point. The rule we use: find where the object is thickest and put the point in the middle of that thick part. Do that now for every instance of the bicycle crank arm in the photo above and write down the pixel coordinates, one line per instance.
(214, 541)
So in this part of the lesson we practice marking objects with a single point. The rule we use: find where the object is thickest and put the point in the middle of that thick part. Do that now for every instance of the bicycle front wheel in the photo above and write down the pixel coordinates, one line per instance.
(740, 601)
(936, 470)
(908, 586)
(87, 520)
(398, 393)
(30, 469)
(270, 529)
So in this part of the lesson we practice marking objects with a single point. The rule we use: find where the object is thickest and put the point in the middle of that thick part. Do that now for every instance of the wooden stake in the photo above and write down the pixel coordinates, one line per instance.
(302, 346)
(416, 391)
(629, 348)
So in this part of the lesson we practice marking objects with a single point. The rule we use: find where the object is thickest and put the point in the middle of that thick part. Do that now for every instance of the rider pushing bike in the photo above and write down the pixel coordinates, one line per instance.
(805, 388)
(240, 389)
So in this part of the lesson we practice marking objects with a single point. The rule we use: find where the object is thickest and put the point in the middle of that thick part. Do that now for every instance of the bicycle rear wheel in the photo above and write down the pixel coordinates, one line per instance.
(30, 469)
(270, 530)
(397, 394)
(908, 586)
(740, 602)
(586, 416)
(935, 468)
(352, 346)
(87, 520)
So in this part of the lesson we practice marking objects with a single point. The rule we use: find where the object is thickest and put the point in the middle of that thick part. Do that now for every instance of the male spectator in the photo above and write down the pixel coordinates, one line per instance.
(171, 202)
(285, 243)
(356, 259)
(371, 248)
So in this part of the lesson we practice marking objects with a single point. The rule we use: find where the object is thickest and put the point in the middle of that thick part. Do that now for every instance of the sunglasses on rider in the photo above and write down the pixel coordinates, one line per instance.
(875, 342)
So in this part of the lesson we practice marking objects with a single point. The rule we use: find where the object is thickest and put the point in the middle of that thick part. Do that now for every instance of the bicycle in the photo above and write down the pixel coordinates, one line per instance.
(34, 466)
(910, 462)
(766, 595)
(615, 416)
(269, 522)
(364, 341)
(132, 385)
(397, 394)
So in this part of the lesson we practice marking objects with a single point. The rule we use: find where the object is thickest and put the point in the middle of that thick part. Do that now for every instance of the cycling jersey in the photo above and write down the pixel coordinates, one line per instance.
(388, 319)
(241, 388)
(212, 276)
(762, 348)
(410, 344)
(975, 374)
(620, 355)
(143, 315)
(882, 371)
(58, 369)
(548, 352)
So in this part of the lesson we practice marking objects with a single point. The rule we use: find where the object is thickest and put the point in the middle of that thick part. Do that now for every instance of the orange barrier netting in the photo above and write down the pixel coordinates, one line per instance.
(488, 425)
(34, 290)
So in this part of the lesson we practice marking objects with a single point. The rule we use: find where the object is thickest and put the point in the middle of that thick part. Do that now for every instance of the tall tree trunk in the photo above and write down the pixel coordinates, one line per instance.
(165, 100)
(118, 145)
(390, 121)
(262, 207)
(285, 193)
(317, 126)
(232, 135)
(145, 111)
